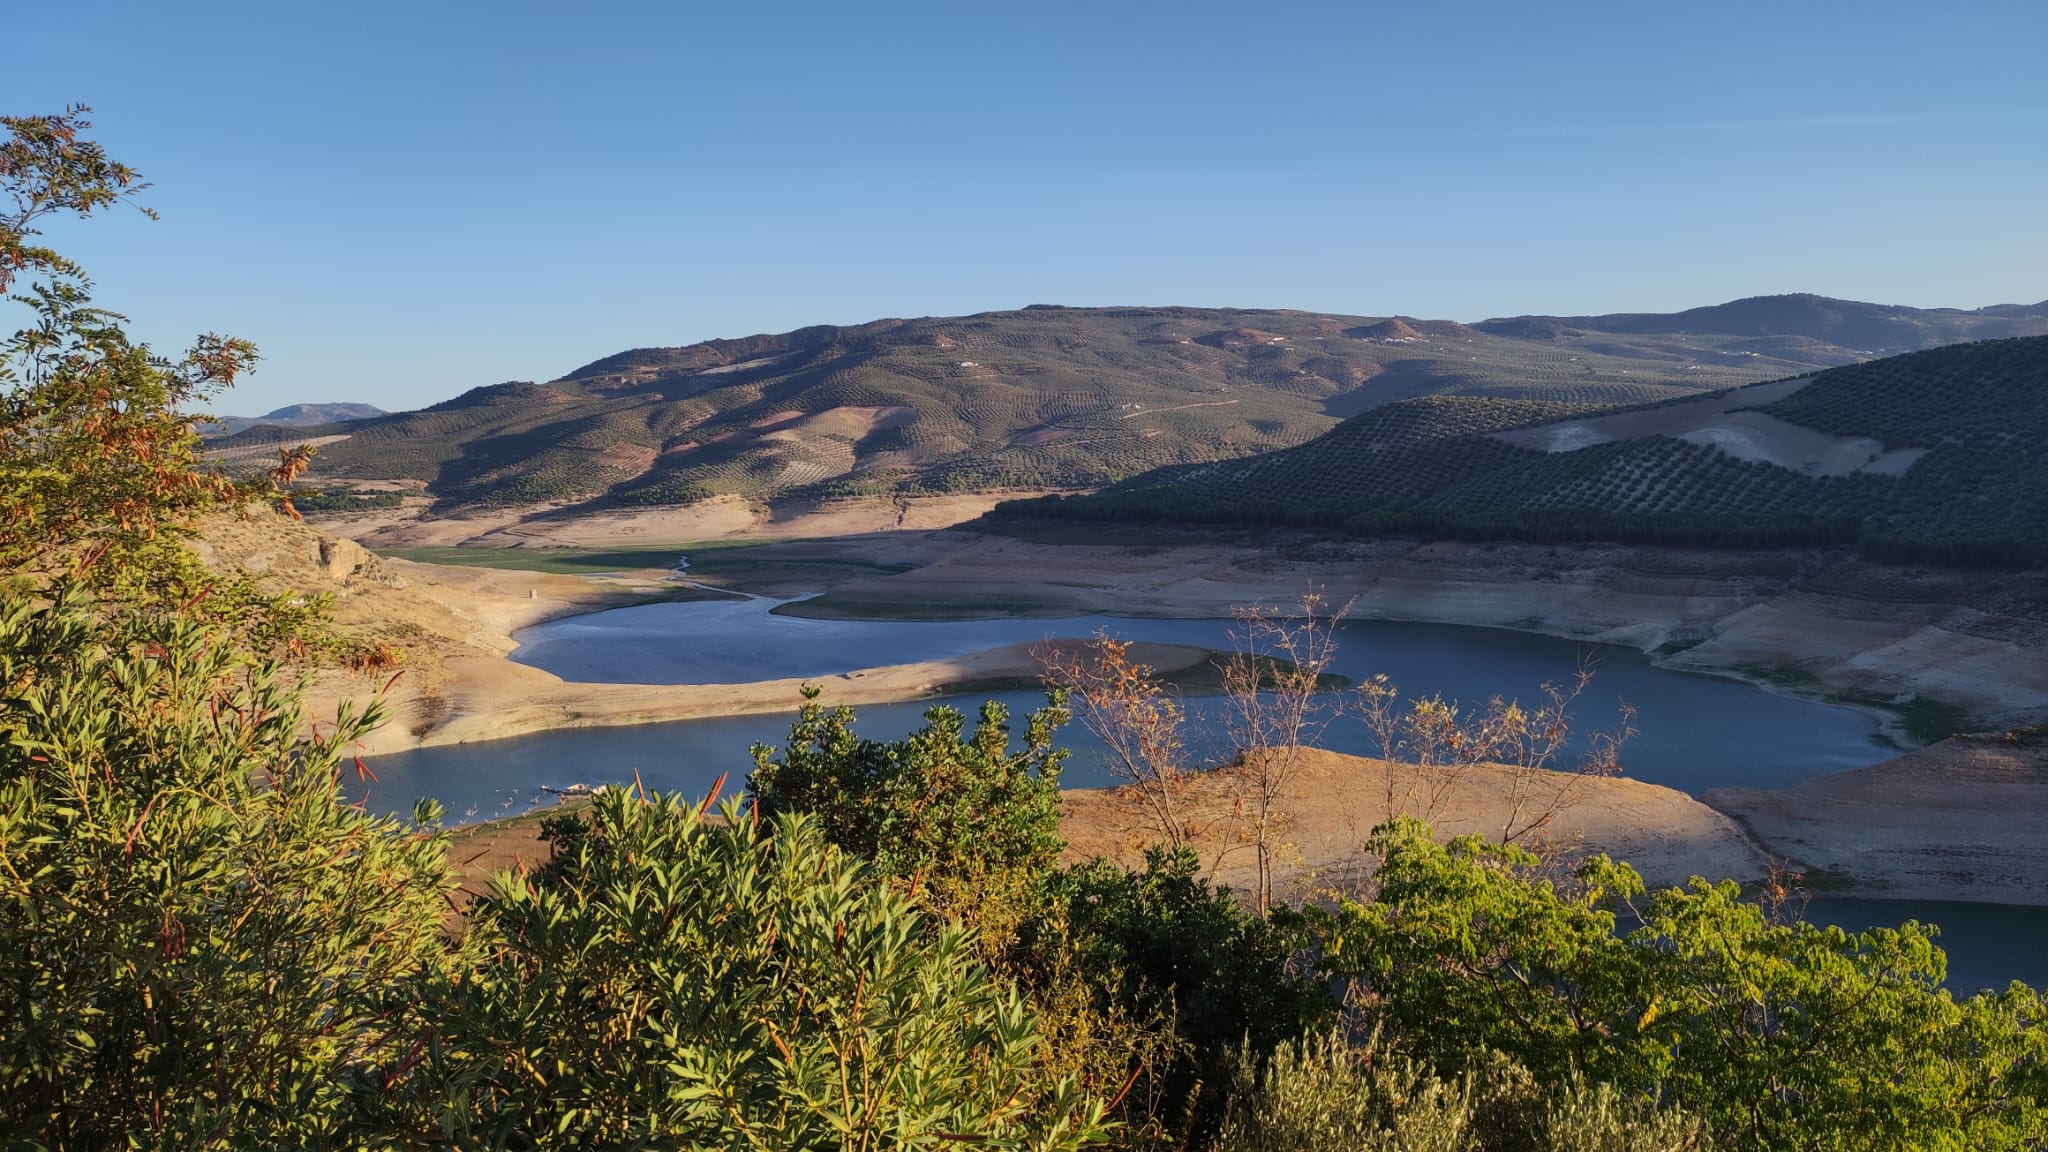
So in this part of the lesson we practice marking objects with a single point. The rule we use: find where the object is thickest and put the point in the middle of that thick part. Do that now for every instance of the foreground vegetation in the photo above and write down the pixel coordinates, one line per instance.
(202, 946)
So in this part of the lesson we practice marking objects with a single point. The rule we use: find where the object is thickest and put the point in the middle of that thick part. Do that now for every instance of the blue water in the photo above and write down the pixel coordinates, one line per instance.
(1696, 732)
(1988, 945)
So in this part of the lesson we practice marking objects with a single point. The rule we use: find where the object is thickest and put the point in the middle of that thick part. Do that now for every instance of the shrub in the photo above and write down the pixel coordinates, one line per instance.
(1163, 943)
(723, 982)
(1324, 1095)
(196, 934)
(1779, 1035)
(969, 825)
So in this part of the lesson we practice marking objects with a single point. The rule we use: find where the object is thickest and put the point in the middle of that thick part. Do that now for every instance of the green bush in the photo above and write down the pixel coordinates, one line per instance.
(1780, 1035)
(1164, 943)
(723, 982)
(197, 936)
(971, 826)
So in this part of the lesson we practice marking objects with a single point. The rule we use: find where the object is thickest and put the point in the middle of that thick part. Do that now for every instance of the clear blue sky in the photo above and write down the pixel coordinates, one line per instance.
(398, 201)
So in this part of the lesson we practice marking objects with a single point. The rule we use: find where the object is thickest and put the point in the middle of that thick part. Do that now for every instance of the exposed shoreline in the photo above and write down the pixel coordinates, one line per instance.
(1746, 616)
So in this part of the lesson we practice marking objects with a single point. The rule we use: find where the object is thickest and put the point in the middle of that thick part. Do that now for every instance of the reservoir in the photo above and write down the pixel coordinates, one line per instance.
(1696, 732)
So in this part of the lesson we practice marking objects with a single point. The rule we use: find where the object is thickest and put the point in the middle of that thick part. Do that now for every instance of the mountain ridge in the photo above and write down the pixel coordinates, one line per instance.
(1846, 323)
(1042, 397)
(293, 416)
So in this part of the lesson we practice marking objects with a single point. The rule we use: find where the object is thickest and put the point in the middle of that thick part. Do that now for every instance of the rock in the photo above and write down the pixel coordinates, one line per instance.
(341, 559)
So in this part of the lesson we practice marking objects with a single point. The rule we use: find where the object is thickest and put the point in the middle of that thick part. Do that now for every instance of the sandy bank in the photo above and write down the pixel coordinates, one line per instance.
(489, 698)
(1335, 800)
(1962, 819)
(455, 625)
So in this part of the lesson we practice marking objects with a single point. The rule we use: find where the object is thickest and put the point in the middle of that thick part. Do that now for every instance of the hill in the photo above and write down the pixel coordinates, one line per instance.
(1929, 456)
(291, 416)
(1044, 397)
(1798, 324)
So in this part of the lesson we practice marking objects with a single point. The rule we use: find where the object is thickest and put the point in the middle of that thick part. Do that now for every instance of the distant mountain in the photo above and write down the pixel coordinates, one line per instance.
(1934, 456)
(1044, 397)
(1837, 325)
(292, 416)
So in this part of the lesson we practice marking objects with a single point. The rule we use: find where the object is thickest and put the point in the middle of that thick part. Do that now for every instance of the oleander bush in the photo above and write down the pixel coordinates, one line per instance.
(198, 935)
(700, 979)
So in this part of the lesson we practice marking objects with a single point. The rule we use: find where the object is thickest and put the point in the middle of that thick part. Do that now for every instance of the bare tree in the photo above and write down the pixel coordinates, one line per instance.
(1138, 719)
(1529, 741)
(1273, 682)
(1445, 742)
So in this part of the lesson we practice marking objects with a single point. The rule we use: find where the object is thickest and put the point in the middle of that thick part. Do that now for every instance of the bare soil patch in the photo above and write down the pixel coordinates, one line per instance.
(1962, 819)
(1726, 422)
(1335, 801)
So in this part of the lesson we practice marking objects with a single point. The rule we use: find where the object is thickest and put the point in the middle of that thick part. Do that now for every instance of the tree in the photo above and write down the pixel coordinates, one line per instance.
(1274, 682)
(100, 476)
(97, 458)
(1447, 742)
(1123, 704)
(736, 982)
(971, 827)
(1779, 1035)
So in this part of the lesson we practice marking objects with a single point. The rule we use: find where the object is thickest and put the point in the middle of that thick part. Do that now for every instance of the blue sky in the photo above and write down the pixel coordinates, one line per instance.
(401, 201)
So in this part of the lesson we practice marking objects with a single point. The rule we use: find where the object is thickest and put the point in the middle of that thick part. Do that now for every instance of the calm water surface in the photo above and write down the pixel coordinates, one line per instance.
(1697, 732)
(1988, 945)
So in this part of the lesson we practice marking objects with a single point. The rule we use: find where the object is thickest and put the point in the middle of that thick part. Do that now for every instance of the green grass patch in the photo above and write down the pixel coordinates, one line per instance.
(1924, 719)
(570, 561)
(566, 561)
(733, 563)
